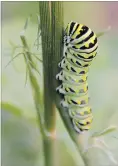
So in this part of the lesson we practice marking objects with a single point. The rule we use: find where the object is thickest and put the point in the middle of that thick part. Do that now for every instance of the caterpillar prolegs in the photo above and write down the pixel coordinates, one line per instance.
(80, 44)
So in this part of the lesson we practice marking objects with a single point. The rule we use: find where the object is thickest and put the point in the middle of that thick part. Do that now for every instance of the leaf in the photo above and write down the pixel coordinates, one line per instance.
(25, 26)
(33, 66)
(13, 59)
(102, 145)
(99, 34)
(26, 75)
(14, 46)
(36, 42)
(39, 28)
(40, 60)
(105, 131)
(27, 22)
(11, 108)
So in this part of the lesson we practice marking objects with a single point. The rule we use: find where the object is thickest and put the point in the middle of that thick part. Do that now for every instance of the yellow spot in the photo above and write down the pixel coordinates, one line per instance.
(92, 39)
(67, 89)
(89, 120)
(85, 89)
(78, 101)
(69, 102)
(89, 110)
(81, 128)
(85, 56)
(94, 53)
(73, 113)
(81, 113)
(84, 123)
(87, 45)
(76, 123)
(77, 32)
(84, 78)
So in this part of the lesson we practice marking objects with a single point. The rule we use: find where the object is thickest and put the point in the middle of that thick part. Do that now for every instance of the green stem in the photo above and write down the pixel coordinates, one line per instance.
(49, 106)
(49, 112)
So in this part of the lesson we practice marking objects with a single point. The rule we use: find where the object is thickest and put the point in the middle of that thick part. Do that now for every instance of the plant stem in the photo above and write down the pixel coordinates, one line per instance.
(49, 106)
(49, 112)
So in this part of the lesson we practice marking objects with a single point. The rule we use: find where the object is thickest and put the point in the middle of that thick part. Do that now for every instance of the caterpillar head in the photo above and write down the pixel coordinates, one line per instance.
(81, 40)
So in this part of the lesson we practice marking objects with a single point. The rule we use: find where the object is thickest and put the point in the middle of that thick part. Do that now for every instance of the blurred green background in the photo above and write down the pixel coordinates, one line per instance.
(21, 139)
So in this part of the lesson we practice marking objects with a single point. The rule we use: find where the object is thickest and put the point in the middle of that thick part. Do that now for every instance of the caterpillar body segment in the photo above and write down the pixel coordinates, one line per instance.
(64, 64)
(67, 77)
(80, 101)
(76, 90)
(86, 57)
(82, 113)
(78, 62)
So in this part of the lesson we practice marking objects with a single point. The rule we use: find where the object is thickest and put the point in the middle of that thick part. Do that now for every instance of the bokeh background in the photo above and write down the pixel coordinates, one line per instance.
(21, 139)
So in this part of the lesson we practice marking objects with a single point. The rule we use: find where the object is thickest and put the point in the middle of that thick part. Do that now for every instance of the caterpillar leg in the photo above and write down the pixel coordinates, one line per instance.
(60, 89)
(59, 76)
(64, 104)
(76, 128)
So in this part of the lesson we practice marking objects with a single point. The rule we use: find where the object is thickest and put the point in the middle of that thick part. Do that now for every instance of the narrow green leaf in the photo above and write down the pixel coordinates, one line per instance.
(27, 22)
(103, 146)
(11, 108)
(36, 42)
(39, 28)
(34, 66)
(13, 59)
(26, 75)
(25, 26)
(40, 60)
(14, 45)
(105, 131)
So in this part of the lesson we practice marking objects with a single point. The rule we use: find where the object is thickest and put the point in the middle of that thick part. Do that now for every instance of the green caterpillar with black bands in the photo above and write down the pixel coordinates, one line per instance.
(80, 48)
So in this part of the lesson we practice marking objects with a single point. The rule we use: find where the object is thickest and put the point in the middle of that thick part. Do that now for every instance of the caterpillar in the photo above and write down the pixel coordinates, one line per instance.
(80, 48)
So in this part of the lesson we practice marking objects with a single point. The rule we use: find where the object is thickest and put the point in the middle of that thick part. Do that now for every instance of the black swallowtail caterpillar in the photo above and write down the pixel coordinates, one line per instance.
(80, 44)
